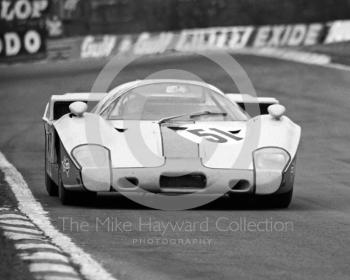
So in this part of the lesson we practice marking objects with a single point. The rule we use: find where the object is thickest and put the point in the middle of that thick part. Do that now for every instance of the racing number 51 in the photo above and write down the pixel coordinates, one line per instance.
(218, 137)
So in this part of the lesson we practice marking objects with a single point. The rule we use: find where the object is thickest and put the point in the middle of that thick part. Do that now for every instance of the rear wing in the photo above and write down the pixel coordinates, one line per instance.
(244, 100)
(59, 104)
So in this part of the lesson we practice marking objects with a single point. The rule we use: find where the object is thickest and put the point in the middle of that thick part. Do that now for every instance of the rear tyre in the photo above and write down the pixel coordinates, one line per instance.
(51, 187)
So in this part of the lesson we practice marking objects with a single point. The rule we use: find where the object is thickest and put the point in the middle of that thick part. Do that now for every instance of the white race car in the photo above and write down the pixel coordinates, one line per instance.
(169, 137)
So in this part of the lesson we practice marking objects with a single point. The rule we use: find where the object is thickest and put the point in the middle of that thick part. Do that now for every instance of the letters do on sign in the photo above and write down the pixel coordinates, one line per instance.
(12, 43)
(22, 29)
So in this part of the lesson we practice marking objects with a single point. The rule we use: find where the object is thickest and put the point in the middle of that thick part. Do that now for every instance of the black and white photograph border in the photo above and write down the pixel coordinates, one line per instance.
(66, 210)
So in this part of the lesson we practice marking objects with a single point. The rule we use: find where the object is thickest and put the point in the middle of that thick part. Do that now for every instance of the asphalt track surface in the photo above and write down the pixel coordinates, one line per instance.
(318, 245)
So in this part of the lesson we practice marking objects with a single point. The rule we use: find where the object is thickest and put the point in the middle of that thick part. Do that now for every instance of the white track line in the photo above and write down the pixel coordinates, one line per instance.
(21, 229)
(11, 216)
(44, 256)
(38, 246)
(55, 277)
(45, 267)
(21, 236)
(15, 223)
(29, 206)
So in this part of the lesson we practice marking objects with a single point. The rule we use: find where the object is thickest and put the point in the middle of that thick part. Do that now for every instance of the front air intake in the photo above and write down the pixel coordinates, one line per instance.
(188, 181)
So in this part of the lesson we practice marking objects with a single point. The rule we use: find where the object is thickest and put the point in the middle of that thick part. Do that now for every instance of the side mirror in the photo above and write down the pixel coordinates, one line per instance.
(276, 111)
(78, 108)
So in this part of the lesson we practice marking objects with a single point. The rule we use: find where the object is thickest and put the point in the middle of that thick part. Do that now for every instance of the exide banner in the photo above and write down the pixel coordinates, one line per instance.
(22, 29)
(230, 38)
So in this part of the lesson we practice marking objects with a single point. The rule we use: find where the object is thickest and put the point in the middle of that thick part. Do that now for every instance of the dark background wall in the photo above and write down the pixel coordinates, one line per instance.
(133, 16)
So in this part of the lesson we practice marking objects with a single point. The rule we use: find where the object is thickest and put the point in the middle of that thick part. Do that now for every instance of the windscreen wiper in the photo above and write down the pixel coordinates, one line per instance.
(166, 119)
(191, 115)
(207, 113)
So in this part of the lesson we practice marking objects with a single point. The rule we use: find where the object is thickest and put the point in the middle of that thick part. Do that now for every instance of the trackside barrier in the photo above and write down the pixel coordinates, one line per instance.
(234, 38)
(190, 40)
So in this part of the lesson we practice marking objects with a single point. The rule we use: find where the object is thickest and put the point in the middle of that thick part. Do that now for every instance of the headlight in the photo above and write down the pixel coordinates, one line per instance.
(91, 155)
(271, 158)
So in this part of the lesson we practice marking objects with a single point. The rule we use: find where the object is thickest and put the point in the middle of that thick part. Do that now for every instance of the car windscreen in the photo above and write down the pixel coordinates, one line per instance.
(162, 100)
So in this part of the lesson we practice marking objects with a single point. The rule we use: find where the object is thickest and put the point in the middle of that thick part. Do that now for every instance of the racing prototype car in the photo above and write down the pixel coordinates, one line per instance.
(169, 137)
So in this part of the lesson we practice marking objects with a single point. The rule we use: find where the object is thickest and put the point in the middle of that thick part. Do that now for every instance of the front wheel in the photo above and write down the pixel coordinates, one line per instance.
(68, 197)
(282, 200)
(64, 195)
(51, 187)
